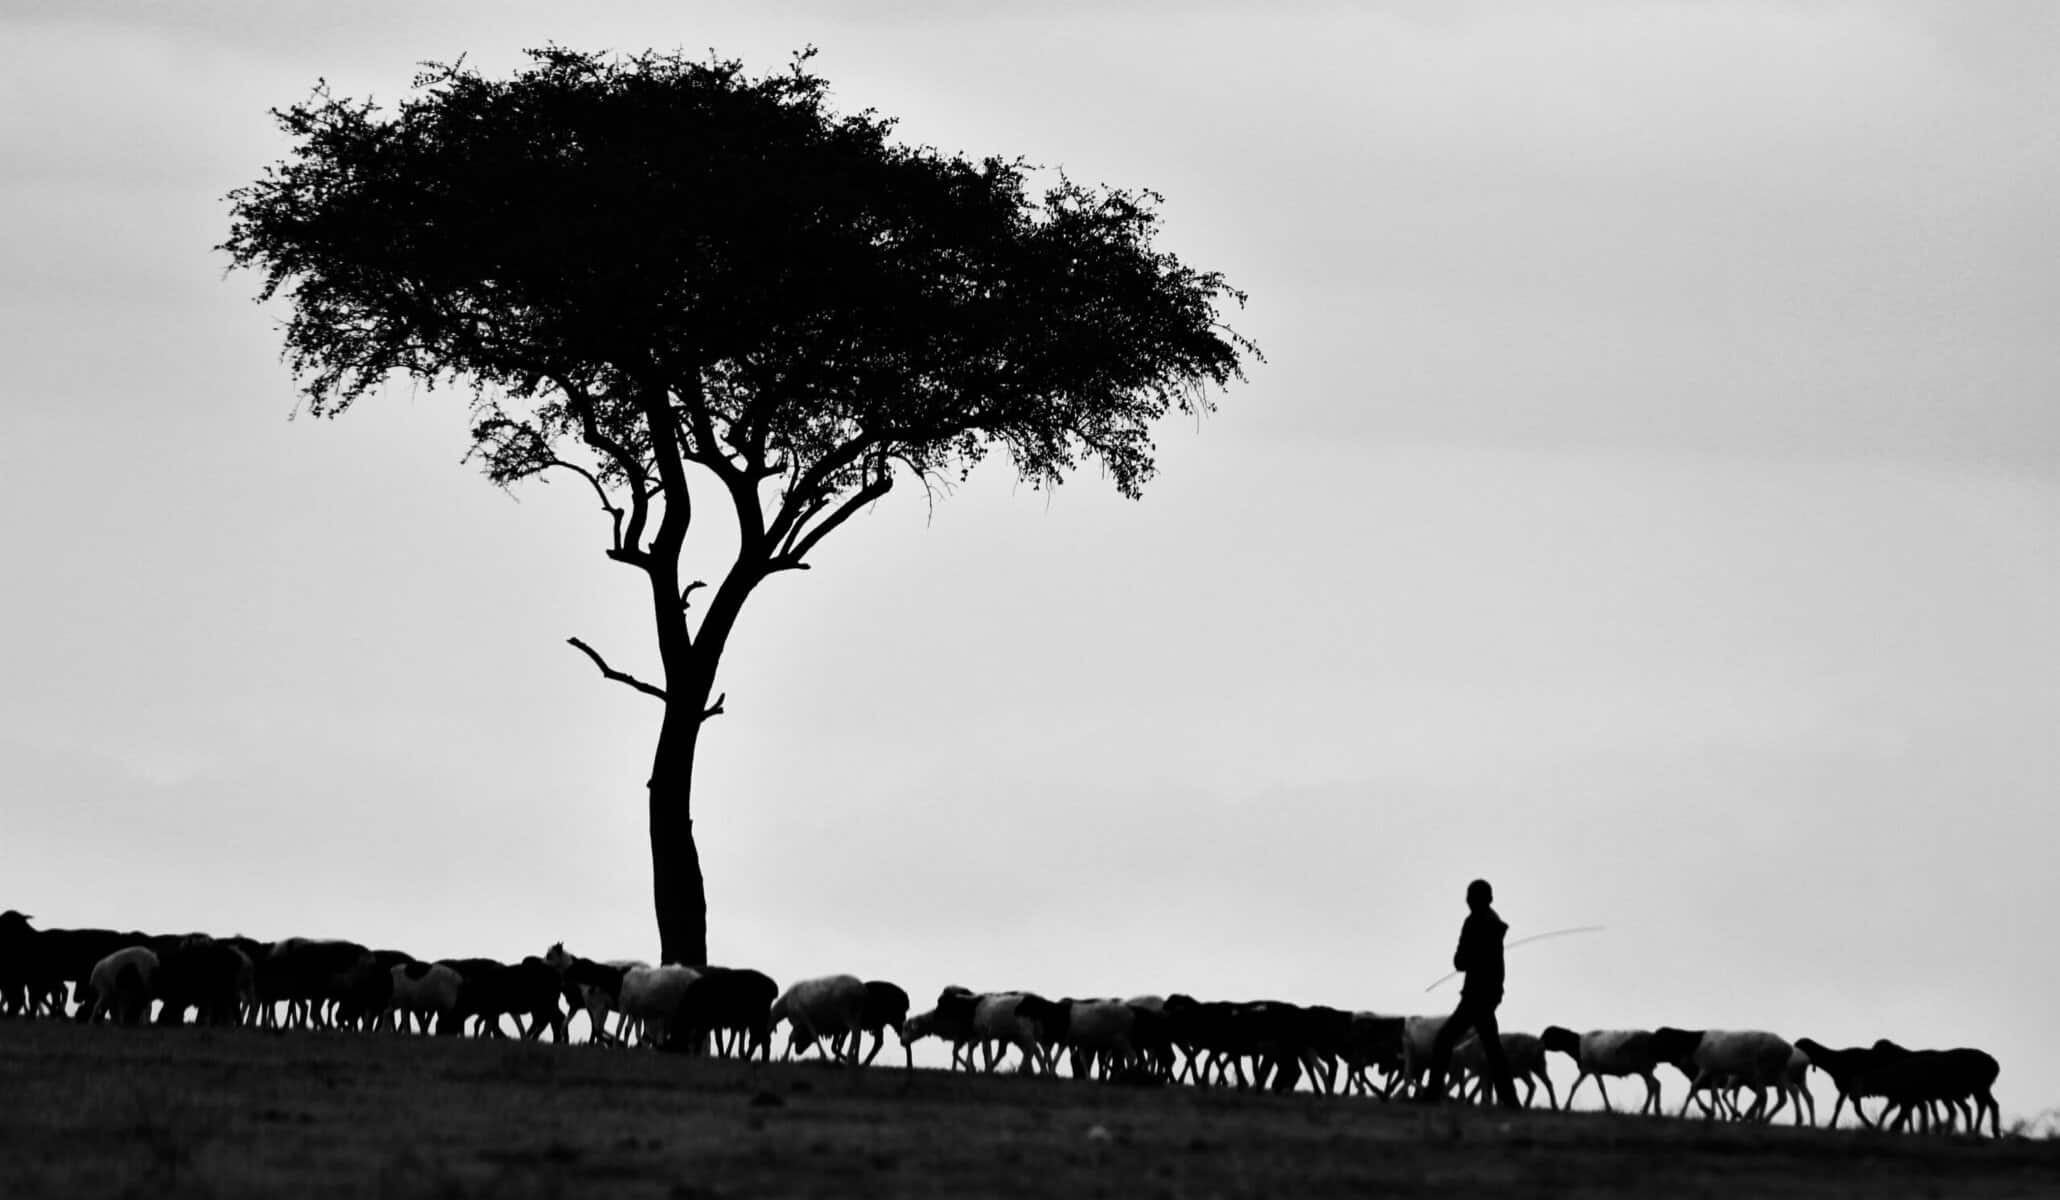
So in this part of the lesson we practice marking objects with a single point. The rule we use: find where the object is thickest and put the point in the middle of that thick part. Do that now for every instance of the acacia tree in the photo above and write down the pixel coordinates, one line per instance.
(653, 271)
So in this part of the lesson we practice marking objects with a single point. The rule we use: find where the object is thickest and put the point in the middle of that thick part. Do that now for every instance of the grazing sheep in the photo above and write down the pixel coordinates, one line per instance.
(1750, 1058)
(826, 1009)
(593, 988)
(1601, 1053)
(942, 1024)
(122, 986)
(1525, 1053)
(886, 1007)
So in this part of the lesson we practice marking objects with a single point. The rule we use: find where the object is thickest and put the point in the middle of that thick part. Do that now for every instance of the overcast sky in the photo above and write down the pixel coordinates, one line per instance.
(1651, 503)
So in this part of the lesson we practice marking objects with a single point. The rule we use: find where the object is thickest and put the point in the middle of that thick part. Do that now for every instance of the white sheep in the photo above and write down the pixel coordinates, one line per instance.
(650, 996)
(1600, 1053)
(1748, 1058)
(1089, 1031)
(824, 1008)
(997, 1026)
(1419, 1042)
(427, 993)
(953, 1031)
(122, 985)
(1524, 1053)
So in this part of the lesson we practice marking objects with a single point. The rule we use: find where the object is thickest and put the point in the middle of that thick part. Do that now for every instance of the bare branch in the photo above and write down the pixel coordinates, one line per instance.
(715, 709)
(619, 676)
(689, 590)
(612, 510)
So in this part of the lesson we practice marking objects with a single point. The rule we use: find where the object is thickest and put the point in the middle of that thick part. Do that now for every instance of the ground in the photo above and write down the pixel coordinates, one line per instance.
(200, 1113)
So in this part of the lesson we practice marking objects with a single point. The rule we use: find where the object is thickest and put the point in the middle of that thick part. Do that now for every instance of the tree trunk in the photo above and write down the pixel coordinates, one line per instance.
(678, 891)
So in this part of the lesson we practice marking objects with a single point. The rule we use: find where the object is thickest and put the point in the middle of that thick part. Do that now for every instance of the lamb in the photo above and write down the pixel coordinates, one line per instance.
(122, 985)
(1525, 1054)
(1600, 1053)
(1749, 1058)
(825, 1008)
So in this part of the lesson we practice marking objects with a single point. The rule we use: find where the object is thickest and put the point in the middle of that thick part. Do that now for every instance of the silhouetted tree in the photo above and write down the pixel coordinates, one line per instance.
(649, 269)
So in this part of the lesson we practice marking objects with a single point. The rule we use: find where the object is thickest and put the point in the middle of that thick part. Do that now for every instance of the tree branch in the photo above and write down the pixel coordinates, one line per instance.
(689, 590)
(715, 709)
(619, 676)
(590, 477)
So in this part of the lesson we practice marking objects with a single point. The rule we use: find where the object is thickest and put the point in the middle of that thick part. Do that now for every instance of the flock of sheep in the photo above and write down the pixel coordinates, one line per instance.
(96, 974)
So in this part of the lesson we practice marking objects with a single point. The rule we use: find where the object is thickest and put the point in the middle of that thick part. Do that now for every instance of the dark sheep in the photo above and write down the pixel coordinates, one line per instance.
(214, 978)
(528, 989)
(886, 1007)
(723, 1001)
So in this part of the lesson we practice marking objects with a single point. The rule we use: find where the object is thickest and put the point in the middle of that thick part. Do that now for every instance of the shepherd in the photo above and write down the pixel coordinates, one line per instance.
(1480, 957)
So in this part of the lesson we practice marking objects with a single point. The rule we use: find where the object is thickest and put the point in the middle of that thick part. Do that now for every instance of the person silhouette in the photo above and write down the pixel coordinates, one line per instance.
(1480, 956)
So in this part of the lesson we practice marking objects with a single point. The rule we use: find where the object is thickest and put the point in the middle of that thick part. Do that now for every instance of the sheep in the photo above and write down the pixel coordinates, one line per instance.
(1600, 1053)
(1151, 1037)
(1920, 1078)
(1525, 1054)
(649, 997)
(1089, 1030)
(427, 994)
(886, 1005)
(825, 1008)
(1373, 1041)
(308, 974)
(26, 970)
(1419, 1043)
(1795, 1088)
(1212, 1034)
(725, 1000)
(995, 1024)
(1849, 1070)
(122, 985)
(1751, 1058)
(955, 1028)
(201, 973)
(489, 990)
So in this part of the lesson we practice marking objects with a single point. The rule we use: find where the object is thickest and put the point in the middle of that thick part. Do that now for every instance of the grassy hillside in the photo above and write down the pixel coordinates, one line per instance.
(188, 1112)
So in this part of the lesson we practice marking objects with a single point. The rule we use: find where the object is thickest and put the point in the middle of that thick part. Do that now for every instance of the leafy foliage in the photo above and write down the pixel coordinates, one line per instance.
(655, 256)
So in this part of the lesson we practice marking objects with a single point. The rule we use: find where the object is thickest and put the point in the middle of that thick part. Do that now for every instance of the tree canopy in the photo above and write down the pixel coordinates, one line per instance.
(649, 267)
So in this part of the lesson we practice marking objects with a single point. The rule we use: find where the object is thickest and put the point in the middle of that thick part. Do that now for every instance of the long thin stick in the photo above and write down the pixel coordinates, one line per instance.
(1536, 937)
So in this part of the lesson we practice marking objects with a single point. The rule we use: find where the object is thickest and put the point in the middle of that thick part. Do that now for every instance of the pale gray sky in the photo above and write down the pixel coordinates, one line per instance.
(1652, 503)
